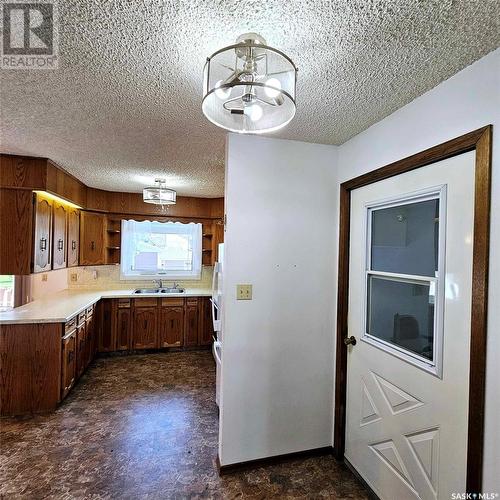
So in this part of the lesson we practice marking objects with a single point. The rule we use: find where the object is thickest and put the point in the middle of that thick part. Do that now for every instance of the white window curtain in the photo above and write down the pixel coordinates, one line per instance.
(152, 249)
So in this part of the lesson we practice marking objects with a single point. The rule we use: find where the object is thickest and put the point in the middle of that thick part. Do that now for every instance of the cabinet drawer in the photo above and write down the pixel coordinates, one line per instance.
(146, 302)
(82, 317)
(90, 311)
(192, 301)
(172, 302)
(123, 303)
(70, 325)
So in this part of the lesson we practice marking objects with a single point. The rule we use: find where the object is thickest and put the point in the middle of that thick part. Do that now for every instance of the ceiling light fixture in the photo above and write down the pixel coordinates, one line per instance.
(159, 194)
(249, 87)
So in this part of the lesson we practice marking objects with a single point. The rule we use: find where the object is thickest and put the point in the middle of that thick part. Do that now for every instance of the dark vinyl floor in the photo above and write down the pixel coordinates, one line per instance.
(145, 426)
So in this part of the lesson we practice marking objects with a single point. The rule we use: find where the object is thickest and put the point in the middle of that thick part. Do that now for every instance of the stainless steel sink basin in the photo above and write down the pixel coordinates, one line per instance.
(159, 290)
(172, 290)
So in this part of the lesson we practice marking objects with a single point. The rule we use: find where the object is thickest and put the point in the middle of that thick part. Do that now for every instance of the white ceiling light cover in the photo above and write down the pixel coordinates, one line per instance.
(159, 194)
(249, 87)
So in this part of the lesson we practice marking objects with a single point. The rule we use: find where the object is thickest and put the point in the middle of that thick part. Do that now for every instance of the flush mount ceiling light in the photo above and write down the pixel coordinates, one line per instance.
(249, 87)
(159, 194)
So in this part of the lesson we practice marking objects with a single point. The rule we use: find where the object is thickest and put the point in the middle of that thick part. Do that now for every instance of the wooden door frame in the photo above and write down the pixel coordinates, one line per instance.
(480, 141)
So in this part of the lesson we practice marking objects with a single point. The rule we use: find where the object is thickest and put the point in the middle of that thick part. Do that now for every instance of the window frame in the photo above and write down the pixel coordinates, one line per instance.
(434, 366)
(165, 275)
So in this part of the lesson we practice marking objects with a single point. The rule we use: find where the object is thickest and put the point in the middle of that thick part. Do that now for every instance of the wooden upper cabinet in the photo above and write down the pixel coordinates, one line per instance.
(59, 238)
(73, 240)
(43, 234)
(92, 227)
(171, 326)
(16, 231)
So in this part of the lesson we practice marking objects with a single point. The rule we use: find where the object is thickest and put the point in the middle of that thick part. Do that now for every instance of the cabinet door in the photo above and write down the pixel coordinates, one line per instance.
(123, 317)
(89, 339)
(107, 339)
(171, 326)
(91, 238)
(73, 240)
(206, 324)
(43, 232)
(191, 324)
(145, 331)
(68, 363)
(81, 342)
(59, 222)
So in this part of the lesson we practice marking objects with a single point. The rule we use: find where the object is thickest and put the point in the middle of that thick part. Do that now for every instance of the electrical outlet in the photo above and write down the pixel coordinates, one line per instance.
(73, 277)
(244, 292)
(44, 277)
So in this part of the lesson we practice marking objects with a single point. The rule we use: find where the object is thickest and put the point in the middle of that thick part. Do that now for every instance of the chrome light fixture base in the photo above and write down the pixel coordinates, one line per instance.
(249, 87)
(159, 194)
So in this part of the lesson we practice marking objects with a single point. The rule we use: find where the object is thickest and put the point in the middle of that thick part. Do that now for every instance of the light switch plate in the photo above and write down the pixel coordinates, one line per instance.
(44, 277)
(73, 277)
(244, 292)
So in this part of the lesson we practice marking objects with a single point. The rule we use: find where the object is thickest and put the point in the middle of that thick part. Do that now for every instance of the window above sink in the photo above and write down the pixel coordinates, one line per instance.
(160, 250)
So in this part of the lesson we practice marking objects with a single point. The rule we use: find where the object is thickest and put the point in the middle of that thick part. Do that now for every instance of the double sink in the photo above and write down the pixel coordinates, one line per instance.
(159, 290)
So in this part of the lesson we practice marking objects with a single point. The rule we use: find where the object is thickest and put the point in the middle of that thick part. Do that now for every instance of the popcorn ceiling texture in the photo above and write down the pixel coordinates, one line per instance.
(125, 104)
(108, 278)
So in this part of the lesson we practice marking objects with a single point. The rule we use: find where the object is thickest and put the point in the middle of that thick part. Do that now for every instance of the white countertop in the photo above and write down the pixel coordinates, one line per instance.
(62, 306)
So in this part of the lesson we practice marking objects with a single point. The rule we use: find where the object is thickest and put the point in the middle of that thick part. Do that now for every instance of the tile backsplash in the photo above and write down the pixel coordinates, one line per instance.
(108, 277)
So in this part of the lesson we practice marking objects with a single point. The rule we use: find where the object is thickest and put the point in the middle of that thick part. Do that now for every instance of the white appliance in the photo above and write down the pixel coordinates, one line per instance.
(217, 305)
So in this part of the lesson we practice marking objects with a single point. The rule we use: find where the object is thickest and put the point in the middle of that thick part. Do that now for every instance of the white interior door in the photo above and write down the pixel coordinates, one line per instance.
(409, 310)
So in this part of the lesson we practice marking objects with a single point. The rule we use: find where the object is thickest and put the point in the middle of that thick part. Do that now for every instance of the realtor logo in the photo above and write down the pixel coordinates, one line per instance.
(29, 35)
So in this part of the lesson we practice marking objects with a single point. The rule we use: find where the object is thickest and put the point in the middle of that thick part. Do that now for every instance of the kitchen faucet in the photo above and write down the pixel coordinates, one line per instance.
(159, 283)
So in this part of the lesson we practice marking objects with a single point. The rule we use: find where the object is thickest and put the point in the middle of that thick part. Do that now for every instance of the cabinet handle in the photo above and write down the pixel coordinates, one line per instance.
(73, 245)
(43, 244)
(60, 244)
(92, 245)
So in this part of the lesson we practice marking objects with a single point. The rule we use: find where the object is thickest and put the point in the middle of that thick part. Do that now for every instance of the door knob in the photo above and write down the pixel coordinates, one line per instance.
(350, 340)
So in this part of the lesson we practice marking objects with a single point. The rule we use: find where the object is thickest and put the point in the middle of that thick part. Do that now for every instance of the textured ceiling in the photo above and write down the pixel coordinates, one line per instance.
(125, 104)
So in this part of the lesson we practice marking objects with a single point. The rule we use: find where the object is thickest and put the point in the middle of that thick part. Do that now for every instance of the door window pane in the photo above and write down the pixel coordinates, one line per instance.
(401, 313)
(6, 292)
(405, 238)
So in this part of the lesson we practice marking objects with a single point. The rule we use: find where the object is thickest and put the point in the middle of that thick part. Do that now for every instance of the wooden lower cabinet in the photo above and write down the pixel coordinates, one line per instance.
(68, 363)
(123, 324)
(89, 336)
(151, 323)
(81, 344)
(192, 323)
(206, 329)
(107, 337)
(145, 326)
(171, 326)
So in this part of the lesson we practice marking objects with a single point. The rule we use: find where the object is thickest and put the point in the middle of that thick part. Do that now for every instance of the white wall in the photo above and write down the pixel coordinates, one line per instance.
(467, 101)
(55, 281)
(277, 373)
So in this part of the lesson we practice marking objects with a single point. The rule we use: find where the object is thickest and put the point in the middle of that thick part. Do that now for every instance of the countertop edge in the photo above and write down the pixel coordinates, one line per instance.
(99, 295)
